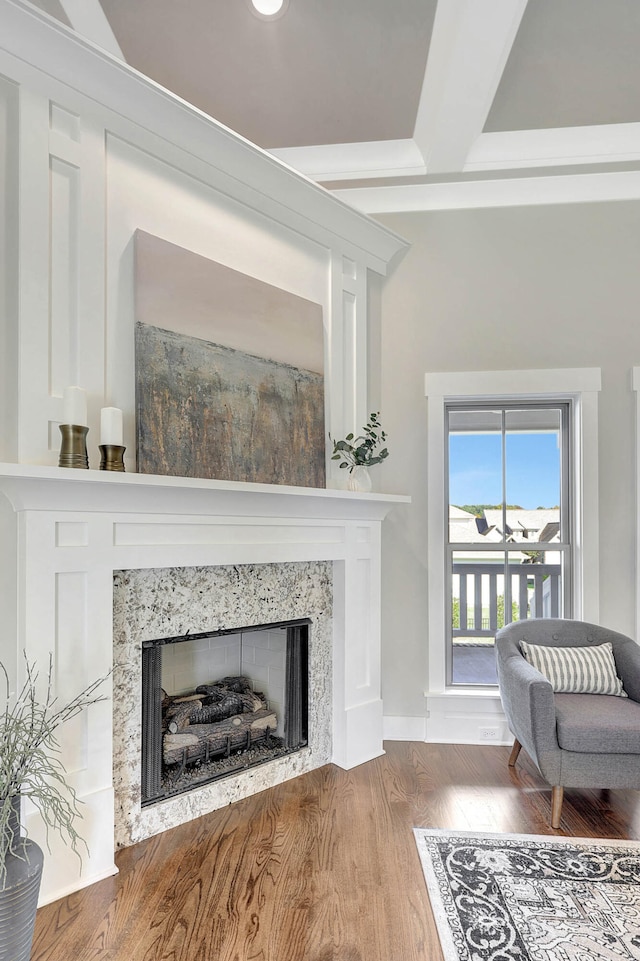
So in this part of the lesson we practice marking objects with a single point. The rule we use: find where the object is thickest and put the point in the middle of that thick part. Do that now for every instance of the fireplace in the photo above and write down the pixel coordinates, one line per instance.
(218, 611)
(106, 561)
(218, 703)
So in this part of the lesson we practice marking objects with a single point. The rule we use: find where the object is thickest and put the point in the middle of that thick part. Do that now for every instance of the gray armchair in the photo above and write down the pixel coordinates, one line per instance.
(576, 740)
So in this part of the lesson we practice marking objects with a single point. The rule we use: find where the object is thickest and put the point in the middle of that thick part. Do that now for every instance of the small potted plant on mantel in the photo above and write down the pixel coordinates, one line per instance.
(358, 454)
(31, 768)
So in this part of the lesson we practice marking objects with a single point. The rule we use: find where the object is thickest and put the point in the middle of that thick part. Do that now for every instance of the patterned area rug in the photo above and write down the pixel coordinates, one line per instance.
(499, 897)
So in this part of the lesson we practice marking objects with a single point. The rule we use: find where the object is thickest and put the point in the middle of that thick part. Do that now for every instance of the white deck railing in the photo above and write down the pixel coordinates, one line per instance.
(488, 597)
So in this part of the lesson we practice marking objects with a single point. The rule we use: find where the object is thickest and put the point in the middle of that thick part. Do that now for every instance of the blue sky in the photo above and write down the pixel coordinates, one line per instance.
(533, 469)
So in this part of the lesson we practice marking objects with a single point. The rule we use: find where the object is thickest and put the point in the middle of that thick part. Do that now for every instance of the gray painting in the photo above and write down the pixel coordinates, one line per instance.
(205, 410)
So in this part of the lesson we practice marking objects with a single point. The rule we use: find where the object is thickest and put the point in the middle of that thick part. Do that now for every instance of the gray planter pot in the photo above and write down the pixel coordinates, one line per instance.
(19, 901)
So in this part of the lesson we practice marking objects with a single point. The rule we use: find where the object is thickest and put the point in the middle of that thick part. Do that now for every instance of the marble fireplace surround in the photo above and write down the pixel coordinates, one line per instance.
(67, 532)
(168, 602)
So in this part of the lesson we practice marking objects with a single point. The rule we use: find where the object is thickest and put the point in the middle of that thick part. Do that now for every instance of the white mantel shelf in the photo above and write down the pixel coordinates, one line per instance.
(30, 487)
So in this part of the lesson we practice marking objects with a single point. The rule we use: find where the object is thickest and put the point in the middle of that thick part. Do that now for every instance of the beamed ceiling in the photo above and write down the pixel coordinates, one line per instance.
(396, 103)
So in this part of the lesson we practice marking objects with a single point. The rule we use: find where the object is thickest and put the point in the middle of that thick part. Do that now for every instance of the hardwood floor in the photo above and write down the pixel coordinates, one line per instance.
(322, 868)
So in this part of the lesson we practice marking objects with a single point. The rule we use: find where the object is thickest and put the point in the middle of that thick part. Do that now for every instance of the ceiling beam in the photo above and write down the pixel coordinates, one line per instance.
(355, 161)
(579, 188)
(88, 19)
(508, 150)
(554, 147)
(469, 48)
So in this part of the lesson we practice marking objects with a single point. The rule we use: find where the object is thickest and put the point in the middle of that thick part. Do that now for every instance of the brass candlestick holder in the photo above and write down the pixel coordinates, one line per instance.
(112, 457)
(73, 450)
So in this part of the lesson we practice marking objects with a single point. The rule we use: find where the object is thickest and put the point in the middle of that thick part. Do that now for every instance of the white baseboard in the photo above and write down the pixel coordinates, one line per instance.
(466, 717)
(453, 717)
(397, 728)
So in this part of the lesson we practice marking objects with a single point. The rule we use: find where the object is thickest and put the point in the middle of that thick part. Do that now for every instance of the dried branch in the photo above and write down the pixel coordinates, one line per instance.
(30, 766)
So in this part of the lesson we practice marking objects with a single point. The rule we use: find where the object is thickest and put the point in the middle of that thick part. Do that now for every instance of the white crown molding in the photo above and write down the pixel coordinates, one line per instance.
(244, 171)
(355, 161)
(514, 192)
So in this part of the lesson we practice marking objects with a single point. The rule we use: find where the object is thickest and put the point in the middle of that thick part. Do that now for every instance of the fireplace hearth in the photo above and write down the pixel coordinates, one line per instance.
(199, 726)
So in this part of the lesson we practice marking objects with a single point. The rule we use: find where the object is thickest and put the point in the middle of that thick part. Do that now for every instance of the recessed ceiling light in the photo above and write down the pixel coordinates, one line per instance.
(268, 9)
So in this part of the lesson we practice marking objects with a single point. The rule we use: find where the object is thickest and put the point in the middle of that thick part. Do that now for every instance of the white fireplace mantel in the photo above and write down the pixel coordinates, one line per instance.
(63, 489)
(65, 532)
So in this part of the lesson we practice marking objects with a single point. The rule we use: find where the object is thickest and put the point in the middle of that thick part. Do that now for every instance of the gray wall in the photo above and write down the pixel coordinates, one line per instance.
(496, 289)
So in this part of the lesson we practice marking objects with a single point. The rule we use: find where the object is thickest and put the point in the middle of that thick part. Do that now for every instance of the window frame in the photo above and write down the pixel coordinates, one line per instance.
(579, 385)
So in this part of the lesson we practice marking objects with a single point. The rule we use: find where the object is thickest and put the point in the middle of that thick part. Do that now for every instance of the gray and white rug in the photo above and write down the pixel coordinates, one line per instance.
(510, 897)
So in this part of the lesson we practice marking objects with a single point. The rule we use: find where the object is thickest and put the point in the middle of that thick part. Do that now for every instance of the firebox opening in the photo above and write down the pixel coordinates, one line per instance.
(217, 703)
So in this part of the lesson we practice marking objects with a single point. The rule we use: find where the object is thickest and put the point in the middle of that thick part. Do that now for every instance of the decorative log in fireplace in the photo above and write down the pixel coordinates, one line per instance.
(223, 725)
(227, 716)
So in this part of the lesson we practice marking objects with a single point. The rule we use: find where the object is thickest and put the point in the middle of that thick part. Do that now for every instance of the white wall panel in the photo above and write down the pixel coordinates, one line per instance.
(63, 272)
(135, 534)
(72, 661)
(33, 363)
(8, 269)
(359, 666)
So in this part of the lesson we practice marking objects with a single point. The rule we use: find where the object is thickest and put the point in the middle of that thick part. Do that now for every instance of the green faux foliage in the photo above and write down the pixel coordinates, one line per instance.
(30, 766)
(362, 451)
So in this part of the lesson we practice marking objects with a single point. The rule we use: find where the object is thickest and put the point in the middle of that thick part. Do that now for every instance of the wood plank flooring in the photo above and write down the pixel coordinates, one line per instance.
(322, 868)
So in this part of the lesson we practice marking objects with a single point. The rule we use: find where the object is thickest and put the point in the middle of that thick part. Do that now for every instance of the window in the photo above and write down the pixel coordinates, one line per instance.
(508, 551)
(497, 390)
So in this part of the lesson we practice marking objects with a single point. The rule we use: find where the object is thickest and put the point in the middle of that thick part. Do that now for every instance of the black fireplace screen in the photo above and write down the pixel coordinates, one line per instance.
(224, 725)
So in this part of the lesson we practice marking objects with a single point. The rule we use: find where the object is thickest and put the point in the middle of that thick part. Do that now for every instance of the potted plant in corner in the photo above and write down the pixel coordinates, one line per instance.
(358, 454)
(31, 768)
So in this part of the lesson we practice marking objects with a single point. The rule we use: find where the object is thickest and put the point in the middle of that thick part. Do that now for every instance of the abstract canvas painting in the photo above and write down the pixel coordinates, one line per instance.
(208, 410)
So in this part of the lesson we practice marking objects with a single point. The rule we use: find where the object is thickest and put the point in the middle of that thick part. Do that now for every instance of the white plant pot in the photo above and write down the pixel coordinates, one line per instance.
(360, 480)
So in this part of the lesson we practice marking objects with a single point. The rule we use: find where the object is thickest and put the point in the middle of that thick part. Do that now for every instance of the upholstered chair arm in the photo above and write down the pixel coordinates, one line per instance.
(527, 699)
(627, 656)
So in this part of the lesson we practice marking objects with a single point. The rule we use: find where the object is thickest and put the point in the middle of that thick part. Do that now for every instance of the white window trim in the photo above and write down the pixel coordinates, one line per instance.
(581, 385)
(635, 384)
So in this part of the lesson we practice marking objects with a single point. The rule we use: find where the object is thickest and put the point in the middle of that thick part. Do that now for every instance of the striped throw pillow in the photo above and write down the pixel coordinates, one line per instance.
(576, 670)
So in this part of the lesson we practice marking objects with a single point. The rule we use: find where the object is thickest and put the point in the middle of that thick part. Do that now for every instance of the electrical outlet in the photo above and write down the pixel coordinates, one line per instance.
(489, 733)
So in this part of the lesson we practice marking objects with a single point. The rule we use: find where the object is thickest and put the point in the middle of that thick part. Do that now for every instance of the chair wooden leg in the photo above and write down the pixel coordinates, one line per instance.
(557, 794)
(515, 750)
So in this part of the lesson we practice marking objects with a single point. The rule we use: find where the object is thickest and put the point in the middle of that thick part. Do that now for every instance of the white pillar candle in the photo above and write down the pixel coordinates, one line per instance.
(111, 426)
(74, 406)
